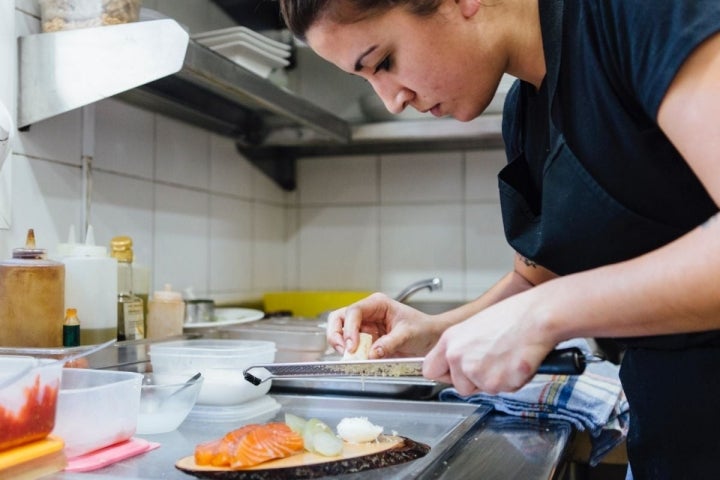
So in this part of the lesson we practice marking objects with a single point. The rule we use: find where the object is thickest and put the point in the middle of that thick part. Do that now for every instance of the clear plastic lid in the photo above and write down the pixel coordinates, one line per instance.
(213, 348)
(265, 406)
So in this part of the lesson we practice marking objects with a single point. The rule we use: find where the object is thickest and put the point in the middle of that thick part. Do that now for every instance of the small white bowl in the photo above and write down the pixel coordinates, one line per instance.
(165, 401)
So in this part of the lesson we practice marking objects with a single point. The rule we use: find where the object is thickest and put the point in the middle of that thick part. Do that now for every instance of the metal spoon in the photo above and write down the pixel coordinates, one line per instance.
(150, 402)
(190, 381)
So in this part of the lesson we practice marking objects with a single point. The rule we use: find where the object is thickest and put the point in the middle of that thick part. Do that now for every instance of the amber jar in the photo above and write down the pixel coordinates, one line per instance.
(32, 298)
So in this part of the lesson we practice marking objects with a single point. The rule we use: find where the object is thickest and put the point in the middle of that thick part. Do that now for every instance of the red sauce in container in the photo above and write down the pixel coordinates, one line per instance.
(34, 420)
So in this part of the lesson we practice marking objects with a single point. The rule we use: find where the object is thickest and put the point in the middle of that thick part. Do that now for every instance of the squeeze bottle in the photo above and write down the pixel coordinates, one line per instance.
(90, 287)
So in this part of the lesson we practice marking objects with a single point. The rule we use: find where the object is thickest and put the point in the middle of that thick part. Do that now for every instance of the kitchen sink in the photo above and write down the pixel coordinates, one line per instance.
(433, 308)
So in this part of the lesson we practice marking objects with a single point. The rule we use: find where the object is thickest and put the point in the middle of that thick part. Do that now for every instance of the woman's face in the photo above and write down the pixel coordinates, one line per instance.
(449, 63)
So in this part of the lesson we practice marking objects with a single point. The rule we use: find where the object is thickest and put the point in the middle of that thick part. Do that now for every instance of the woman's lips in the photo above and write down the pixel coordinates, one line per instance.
(436, 111)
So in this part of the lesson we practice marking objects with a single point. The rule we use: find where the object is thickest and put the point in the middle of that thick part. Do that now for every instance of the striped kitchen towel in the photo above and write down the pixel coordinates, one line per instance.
(594, 401)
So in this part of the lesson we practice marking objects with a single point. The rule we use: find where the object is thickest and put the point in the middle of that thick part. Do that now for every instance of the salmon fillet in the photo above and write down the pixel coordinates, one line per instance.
(250, 445)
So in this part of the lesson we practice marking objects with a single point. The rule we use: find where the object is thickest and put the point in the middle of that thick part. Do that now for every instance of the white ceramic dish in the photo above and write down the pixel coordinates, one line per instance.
(242, 31)
(213, 42)
(251, 57)
(221, 363)
(225, 317)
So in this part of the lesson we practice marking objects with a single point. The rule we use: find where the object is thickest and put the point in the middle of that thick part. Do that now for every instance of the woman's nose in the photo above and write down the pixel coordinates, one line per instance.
(395, 98)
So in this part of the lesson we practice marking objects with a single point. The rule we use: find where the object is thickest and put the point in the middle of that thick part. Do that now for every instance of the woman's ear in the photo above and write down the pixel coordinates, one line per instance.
(468, 8)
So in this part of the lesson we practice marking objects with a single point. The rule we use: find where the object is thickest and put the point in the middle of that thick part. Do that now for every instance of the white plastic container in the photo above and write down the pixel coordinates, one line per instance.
(90, 287)
(96, 409)
(221, 363)
(166, 314)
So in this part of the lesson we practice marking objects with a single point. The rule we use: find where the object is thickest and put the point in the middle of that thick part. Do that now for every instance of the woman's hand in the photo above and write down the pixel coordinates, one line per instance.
(397, 329)
(497, 350)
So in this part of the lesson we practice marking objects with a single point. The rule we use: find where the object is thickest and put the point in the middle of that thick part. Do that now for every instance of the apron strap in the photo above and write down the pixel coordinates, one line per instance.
(551, 20)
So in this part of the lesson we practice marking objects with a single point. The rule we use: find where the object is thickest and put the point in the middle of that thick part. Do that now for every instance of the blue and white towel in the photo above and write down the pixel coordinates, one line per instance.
(594, 401)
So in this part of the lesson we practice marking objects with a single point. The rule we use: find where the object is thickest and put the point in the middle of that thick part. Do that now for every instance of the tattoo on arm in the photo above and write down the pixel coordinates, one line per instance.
(528, 262)
(711, 220)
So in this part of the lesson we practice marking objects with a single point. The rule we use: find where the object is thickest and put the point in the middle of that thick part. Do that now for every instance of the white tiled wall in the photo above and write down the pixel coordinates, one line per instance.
(387, 221)
(202, 216)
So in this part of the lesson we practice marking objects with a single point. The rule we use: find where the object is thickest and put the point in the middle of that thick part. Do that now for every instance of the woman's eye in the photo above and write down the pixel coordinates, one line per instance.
(384, 65)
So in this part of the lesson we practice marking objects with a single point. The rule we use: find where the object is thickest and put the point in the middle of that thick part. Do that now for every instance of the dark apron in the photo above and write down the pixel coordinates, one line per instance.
(572, 224)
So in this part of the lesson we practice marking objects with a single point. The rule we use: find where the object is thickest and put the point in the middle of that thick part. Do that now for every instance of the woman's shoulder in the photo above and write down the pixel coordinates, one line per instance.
(641, 44)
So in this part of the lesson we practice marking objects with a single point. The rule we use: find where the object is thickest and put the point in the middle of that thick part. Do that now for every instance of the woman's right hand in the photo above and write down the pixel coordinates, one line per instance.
(397, 329)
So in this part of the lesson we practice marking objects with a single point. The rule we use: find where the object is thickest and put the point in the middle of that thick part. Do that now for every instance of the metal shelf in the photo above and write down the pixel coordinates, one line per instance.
(216, 93)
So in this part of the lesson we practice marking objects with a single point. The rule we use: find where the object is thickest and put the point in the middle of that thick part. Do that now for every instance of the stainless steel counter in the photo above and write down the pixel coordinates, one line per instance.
(465, 442)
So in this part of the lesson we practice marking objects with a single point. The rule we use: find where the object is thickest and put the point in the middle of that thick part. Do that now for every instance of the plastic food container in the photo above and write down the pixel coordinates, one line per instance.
(221, 363)
(260, 410)
(296, 339)
(56, 15)
(28, 399)
(166, 401)
(96, 409)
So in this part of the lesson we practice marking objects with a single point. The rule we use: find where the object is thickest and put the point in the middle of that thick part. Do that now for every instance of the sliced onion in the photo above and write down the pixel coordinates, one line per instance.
(296, 424)
(327, 444)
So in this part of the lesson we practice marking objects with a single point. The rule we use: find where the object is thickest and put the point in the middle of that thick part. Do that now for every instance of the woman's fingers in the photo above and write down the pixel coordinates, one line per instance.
(345, 324)
(435, 366)
(334, 330)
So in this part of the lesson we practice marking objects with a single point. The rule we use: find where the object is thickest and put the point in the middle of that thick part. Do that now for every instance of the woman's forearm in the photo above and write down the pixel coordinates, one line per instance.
(673, 289)
(512, 283)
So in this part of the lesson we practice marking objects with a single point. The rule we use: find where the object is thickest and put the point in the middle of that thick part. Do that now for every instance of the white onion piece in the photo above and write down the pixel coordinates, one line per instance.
(358, 430)
(327, 444)
(296, 424)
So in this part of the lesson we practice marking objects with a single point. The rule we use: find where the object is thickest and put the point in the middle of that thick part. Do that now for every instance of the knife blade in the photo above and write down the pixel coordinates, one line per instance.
(565, 361)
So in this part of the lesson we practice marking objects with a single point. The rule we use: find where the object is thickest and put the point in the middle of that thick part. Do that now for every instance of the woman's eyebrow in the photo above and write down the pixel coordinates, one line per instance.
(358, 62)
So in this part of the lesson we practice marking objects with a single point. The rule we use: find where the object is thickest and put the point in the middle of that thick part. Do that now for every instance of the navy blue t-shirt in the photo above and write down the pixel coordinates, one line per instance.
(618, 59)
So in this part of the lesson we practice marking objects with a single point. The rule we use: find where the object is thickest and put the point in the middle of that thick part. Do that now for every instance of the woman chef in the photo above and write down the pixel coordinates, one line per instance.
(610, 195)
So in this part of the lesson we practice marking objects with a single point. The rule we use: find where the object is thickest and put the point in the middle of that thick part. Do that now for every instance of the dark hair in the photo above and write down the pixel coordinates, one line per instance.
(300, 15)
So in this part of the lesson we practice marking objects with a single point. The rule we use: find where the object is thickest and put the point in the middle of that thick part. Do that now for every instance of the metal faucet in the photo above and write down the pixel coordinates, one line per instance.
(431, 284)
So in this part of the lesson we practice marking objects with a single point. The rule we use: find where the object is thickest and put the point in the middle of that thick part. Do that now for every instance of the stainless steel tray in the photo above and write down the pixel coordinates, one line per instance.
(439, 425)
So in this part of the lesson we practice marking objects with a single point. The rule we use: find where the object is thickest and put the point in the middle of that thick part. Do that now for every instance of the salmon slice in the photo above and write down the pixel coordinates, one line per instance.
(267, 442)
(250, 445)
(217, 452)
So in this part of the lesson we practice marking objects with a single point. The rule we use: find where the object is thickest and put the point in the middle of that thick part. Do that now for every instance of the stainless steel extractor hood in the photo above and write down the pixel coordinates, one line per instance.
(61, 71)
(156, 65)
